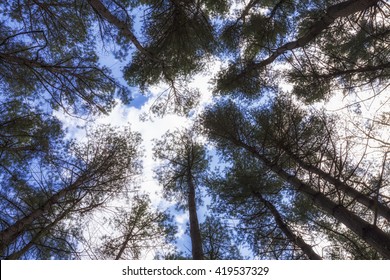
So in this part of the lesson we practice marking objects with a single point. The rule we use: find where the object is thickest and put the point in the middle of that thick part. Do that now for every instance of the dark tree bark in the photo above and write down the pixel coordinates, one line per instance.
(35, 239)
(332, 13)
(196, 239)
(343, 9)
(181, 174)
(96, 173)
(102, 11)
(8, 235)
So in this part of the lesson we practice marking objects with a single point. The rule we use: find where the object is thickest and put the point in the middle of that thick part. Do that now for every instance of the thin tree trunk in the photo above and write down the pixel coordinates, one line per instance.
(363, 69)
(196, 239)
(298, 241)
(127, 238)
(17, 255)
(124, 246)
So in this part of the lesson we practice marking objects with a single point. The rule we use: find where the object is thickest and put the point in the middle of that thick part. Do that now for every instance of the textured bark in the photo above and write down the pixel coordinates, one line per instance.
(298, 241)
(196, 239)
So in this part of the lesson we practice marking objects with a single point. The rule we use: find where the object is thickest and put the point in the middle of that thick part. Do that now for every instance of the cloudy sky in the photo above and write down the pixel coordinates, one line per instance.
(151, 127)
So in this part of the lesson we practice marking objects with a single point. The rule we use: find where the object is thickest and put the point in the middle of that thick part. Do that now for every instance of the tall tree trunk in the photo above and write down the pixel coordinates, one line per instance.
(370, 203)
(196, 239)
(372, 235)
(124, 245)
(298, 241)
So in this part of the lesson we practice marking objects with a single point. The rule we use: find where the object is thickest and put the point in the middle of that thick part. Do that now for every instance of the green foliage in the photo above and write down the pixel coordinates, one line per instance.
(216, 7)
(49, 60)
(179, 36)
(281, 138)
(240, 80)
(26, 133)
(234, 197)
(325, 57)
(182, 159)
(218, 241)
(47, 54)
(347, 57)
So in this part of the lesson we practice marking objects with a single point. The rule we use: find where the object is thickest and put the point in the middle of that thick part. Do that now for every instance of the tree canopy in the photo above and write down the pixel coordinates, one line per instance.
(288, 171)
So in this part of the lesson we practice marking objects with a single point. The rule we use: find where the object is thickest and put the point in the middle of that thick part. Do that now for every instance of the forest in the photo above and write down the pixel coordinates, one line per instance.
(284, 154)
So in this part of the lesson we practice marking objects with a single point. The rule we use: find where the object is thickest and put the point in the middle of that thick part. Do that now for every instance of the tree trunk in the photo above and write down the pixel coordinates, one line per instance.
(122, 26)
(124, 245)
(370, 203)
(128, 237)
(298, 241)
(18, 254)
(8, 235)
(196, 239)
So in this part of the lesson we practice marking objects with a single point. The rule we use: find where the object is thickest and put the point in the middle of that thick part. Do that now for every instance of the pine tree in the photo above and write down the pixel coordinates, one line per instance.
(184, 163)
(218, 240)
(82, 180)
(136, 230)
